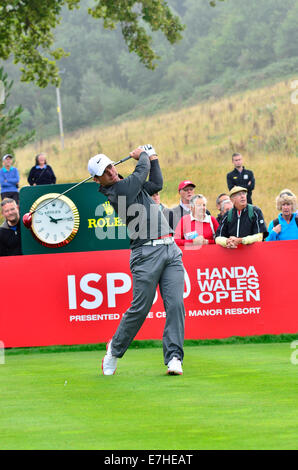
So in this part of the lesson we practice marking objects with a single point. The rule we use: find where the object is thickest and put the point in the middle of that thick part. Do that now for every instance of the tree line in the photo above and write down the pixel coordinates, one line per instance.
(223, 49)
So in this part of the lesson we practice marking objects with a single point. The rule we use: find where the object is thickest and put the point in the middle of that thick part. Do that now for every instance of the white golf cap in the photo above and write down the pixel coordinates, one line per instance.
(6, 156)
(98, 164)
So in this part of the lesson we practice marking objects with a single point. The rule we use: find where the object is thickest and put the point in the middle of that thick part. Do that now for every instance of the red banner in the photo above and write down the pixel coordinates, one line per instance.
(79, 298)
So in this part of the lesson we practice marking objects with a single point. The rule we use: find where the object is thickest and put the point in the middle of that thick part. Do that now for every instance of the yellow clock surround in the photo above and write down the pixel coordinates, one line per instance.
(54, 224)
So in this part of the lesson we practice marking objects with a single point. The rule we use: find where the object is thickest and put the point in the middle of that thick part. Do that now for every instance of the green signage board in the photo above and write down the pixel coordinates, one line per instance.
(97, 226)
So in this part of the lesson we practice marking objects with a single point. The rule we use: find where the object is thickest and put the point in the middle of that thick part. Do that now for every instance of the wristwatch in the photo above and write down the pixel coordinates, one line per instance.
(55, 222)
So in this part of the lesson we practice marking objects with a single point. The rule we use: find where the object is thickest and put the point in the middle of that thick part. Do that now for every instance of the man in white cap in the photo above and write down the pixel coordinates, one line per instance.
(9, 179)
(155, 258)
(243, 224)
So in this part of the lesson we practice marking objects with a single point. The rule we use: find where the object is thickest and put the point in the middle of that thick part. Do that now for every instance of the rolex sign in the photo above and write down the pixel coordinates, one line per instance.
(100, 228)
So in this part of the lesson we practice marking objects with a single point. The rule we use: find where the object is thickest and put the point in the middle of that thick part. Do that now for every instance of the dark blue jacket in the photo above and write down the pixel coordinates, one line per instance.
(39, 175)
(235, 178)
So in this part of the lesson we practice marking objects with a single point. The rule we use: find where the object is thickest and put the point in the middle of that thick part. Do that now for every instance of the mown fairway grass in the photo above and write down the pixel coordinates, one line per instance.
(240, 396)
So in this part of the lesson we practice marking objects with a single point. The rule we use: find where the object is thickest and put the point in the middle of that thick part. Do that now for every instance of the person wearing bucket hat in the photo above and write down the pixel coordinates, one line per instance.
(9, 179)
(155, 258)
(237, 189)
(243, 224)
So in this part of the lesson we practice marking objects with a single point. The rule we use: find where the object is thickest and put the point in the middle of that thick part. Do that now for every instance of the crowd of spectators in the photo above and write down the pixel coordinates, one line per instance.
(238, 221)
(10, 233)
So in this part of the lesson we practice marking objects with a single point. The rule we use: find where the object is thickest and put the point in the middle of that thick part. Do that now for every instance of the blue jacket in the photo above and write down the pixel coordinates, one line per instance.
(9, 180)
(288, 231)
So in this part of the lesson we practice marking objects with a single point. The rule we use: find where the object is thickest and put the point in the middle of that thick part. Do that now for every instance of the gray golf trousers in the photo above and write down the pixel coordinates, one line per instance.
(150, 266)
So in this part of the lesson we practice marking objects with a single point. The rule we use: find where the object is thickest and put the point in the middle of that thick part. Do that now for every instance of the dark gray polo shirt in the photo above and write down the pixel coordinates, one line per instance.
(131, 199)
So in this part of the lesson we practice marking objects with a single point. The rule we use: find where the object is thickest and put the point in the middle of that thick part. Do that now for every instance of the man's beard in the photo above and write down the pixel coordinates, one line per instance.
(13, 221)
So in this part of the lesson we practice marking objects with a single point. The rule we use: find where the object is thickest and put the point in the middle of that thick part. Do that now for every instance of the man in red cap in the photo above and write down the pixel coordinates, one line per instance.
(186, 190)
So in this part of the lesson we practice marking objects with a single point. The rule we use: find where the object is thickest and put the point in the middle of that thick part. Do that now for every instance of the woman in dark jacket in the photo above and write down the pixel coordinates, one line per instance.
(41, 173)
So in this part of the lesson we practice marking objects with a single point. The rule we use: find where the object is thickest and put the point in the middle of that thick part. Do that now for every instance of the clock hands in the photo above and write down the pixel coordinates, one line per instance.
(55, 221)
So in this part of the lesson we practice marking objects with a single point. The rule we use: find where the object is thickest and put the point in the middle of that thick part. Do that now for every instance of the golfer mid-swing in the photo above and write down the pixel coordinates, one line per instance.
(155, 258)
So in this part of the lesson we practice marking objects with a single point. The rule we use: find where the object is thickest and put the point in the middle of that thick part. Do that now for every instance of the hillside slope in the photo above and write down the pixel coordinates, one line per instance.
(196, 143)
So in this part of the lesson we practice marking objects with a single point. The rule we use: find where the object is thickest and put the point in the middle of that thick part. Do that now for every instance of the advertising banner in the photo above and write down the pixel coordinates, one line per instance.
(79, 298)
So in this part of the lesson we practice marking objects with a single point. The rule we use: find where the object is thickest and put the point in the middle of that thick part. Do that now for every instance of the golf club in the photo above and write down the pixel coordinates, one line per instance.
(27, 218)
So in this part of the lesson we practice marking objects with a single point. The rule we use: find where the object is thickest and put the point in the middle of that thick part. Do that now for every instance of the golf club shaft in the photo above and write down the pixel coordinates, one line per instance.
(123, 160)
(76, 185)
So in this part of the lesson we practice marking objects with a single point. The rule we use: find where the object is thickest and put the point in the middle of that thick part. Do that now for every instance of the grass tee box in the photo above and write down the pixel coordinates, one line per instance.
(238, 396)
(100, 228)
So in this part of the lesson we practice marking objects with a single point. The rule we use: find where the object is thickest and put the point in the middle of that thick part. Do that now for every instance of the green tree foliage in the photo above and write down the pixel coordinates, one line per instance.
(223, 49)
(10, 121)
(27, 26)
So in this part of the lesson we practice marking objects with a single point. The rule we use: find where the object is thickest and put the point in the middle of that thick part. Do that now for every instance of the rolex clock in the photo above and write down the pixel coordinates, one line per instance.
(55, 222)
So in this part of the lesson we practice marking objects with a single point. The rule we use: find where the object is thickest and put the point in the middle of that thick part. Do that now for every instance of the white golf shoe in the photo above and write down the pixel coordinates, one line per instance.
(175, 367)
(109, 362)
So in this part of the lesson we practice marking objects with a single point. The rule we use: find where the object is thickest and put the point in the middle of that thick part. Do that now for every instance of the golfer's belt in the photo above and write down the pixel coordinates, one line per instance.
(160, 241)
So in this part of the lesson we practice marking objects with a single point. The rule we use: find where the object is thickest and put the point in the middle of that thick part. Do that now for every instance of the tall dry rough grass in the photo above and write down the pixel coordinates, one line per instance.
(195, 143)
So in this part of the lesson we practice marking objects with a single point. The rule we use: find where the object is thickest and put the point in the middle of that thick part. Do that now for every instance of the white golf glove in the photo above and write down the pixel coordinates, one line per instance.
(149, 150)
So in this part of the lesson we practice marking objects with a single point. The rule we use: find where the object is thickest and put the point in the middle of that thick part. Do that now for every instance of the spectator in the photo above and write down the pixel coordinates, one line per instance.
(186, 190)
(196, 228)
(41, 173)
(10, 233)
(9, 179)
(240, 176)
(156, 199)
(220, 198)
(286, 191)
(225, 206)
(244, 224)
(289, 193)
(166, 212)
(285, 226)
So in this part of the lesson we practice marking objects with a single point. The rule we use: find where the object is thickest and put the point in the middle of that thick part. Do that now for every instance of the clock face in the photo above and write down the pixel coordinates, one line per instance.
(54, 222)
